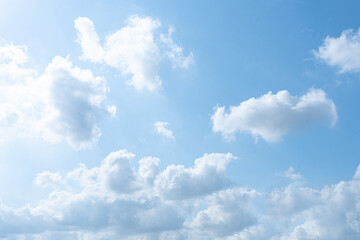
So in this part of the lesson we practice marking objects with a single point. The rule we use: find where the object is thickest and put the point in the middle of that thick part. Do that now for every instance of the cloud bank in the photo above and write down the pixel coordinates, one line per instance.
(136, 50)
(272, 116)
(115, 200)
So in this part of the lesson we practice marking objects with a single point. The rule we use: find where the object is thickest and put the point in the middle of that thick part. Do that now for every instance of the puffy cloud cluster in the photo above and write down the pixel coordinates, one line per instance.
(135, 49)
(342, 52)
(119, 200)
(271, 116)
(63, 104)
(115, 200)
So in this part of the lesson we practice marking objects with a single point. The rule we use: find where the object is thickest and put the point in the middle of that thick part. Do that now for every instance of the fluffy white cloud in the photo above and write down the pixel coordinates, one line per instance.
(330, 213)
(63, 104)
(161, 128)
(134, 49)
(207, 175)
(226, 214)
(342, 52)
(115, 200)
(271, 116)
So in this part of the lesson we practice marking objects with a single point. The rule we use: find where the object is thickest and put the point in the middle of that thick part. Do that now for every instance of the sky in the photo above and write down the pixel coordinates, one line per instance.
(179, 120)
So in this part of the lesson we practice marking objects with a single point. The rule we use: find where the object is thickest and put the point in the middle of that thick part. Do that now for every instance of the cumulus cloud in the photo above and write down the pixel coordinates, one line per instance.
(207, 175)
(48, 179)
(135, 50)
(342, 52)
(63, 104)
(161, 129)
(226, 214)
(271, 116)
(115, 200)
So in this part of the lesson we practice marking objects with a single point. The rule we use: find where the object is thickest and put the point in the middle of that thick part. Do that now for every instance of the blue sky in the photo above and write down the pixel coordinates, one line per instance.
(179, 120)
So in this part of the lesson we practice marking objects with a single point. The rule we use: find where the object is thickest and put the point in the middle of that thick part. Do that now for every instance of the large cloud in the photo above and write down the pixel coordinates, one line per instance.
(113, 199)
(342, 52)
(117, 201)
(135, 49)
(271, 116)
(63, 104)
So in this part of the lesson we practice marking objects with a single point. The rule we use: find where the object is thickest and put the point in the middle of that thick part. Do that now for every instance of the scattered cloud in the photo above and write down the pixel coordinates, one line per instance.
(290, 173)
(342, 52)
(271, 116)
(135, 50)
(161, 129)
(63, 104)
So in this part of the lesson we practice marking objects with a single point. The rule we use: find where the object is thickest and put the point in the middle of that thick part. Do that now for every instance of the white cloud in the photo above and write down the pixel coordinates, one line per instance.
(89, 40)
(48, 179)
(117, 201)
(134, 50)
(290, 173)
(175, 54)
(226, 214)
(271, 116)
(63, 104)
(113, 199)
(207, 175)
(342, 52)
(161, 128)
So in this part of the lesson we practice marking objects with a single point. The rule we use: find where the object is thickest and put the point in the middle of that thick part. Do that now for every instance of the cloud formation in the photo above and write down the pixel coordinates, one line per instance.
(342, 52)
(63, 104)
(161, 129)
(135, 50)
(271, 116)
(114, 200)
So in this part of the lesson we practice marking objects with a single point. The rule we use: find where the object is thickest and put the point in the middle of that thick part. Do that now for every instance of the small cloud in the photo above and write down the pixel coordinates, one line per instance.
(342, 52)
(290, 173)
(161, 129)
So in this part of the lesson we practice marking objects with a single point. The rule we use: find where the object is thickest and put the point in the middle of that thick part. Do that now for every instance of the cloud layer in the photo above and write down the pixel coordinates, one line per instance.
(115, 200)
(342, 52)
(63, 104)
(135, 50)
(271, 116)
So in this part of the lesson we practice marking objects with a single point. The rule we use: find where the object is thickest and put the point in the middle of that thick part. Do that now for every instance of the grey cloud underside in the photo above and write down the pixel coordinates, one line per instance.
(115, 201)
